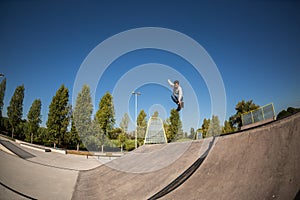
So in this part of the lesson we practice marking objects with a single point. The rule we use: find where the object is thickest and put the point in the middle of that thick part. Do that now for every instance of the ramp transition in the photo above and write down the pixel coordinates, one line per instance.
(16, 150)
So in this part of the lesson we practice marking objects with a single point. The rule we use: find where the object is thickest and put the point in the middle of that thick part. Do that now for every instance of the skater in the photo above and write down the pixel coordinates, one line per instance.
(177, 95)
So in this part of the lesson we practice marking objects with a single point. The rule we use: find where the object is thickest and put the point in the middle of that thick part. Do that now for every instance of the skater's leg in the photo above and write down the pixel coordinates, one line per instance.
(180, 105)
(178, 108)
(174, 98)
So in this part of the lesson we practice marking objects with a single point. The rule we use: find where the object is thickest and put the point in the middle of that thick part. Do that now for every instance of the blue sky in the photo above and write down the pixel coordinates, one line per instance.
(254, 44)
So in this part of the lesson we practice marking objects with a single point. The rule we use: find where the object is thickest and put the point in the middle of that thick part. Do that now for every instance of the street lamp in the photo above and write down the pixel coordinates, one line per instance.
(1, 74)
(136, 95)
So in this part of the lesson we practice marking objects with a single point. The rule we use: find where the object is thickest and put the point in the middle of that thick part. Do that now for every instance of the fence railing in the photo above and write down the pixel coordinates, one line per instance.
(263, 113)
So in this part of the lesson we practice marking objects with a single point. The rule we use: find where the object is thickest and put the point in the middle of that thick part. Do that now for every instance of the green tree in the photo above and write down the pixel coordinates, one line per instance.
(215, 127)
(192, 134)
(15, 108)
(155, 114)
(288, 112)
(174, 128)
(106, 114)
(83, 111)
(205, 127)
(241, 108)
(124, 123)
(2, 93)
(74, 136)
(34, 118)
(141, 126)
(59, 115)
(122, 140)
(228, 127)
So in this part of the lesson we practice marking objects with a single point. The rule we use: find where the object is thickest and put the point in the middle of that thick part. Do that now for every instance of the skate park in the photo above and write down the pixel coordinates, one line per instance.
(258, 163)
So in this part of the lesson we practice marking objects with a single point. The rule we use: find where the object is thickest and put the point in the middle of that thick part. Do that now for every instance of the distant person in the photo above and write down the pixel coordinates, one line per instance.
(177, 95)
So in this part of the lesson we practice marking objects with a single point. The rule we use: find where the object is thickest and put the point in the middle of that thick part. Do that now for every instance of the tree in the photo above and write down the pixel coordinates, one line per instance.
(59, 115)
(241, 108)
(34, 117)
(141, 125)
(192, 133)
(174, 128)
(205, 127)
(83, 111)
(155, 114)
(122, 140)
(15, 108)
(228, 127)
(124, 123)
(106, 114)
(2, 93)
(215, 127)
(288, 112)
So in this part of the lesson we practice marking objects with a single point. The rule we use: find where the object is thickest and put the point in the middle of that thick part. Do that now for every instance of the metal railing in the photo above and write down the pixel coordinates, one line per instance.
(260, 114)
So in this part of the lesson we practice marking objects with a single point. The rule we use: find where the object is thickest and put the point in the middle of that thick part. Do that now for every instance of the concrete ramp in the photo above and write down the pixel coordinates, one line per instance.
(16, 150)
(262, 163)
(139, 174)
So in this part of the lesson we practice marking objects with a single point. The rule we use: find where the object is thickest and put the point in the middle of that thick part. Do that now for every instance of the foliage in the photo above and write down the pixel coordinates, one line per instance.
(5, 125)
(205, 127)
(114, 133)
(228, 127)
(2, 93)
(74, 136)
(241, 108)
(15, 108)
(82, 113)
(122, 140)
(141, 119)
(214, 127)
(106, 115)
(141, 126)
(285, 113)
(174, 128)
(155, 114)
(34, 118)
(124, 123)
(192, 134)
(59, 115)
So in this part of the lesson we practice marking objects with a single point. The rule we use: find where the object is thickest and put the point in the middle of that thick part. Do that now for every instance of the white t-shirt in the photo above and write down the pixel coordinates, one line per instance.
(176, 91)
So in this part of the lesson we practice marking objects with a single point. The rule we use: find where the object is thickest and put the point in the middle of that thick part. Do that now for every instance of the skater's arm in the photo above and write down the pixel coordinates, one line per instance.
(170, 83)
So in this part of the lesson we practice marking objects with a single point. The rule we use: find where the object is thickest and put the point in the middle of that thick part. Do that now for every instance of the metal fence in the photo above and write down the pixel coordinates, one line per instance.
(260, 114)
(155, 133)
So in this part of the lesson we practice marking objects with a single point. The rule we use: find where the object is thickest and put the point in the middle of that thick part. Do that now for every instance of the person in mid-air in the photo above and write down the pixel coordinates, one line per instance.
(177, 95)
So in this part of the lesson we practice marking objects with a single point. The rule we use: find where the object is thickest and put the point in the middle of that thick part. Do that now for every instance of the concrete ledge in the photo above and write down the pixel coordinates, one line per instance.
(33, 146)
(257, 124)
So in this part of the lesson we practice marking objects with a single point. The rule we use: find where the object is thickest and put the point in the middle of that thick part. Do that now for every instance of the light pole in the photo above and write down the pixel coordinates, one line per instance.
(136, 95)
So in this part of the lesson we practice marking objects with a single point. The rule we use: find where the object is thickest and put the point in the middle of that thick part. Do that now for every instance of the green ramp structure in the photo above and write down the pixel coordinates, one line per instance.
(155, 133)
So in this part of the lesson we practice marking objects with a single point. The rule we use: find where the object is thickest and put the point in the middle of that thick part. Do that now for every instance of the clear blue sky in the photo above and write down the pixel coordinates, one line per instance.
(254, 44)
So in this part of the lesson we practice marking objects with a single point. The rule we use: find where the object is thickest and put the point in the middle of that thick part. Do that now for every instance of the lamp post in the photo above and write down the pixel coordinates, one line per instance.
(136, 95)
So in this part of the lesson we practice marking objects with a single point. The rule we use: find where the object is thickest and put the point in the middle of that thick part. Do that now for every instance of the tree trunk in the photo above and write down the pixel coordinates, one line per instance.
(77, 146)
(31, 138)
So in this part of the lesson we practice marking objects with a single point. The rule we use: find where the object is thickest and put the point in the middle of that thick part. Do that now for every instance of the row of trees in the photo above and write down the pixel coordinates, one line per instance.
(75, 127)
(212, 127)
